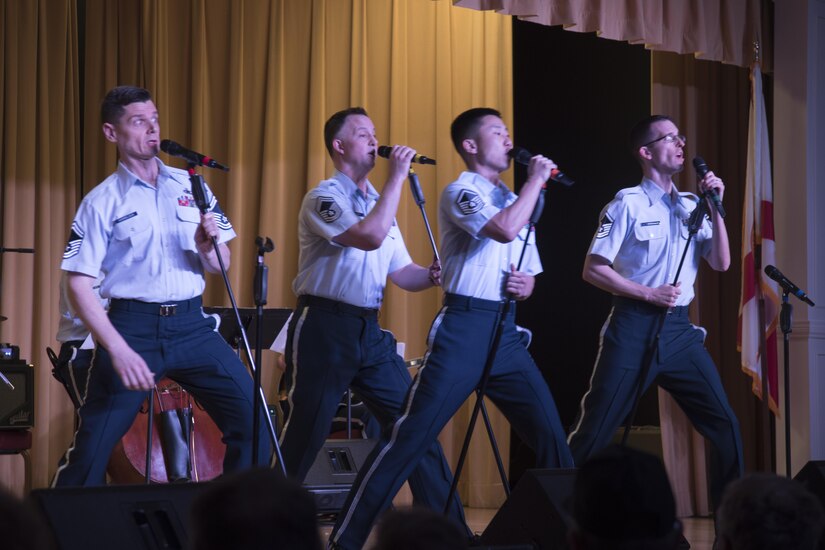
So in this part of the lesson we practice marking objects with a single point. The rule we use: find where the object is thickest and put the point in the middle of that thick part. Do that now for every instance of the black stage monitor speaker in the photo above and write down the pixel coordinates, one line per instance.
(125, 517)
(534, 515)
(334, 470)
(16, 405)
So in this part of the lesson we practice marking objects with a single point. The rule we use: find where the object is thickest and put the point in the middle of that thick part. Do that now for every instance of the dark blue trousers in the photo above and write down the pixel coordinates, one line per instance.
(332, 346)
(183, 347)
(459, 342)
(681, 365)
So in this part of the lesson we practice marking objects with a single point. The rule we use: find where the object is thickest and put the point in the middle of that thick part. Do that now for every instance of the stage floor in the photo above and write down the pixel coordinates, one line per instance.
(698, 531)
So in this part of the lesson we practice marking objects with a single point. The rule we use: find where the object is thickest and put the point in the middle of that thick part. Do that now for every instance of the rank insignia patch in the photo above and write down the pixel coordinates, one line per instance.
(469, 203)
(75, 240)
(605, 227)
(328, 209)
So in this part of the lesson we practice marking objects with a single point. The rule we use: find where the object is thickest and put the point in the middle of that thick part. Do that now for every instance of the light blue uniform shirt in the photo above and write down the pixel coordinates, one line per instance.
(141, 238)
(70, 328)
(474, 265)
(643, 233)
(343, 273)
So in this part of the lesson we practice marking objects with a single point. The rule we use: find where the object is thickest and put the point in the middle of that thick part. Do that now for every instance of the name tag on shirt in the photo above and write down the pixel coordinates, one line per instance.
(126, 217)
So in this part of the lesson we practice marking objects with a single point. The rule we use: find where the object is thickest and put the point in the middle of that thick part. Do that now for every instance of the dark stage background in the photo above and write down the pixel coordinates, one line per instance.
(576, 96)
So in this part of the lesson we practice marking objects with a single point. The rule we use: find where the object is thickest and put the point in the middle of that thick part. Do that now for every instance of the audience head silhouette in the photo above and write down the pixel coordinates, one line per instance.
(766, 512)
(622, 500)
(255, 509)
(418, 529)
(21, 527)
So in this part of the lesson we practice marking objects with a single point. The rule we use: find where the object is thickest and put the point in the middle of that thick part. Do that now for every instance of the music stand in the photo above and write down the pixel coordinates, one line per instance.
(274, 320)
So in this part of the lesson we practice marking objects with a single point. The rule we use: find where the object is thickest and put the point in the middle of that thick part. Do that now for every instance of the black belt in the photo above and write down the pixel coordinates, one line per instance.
(166, 309)
(629, 304)
(468, 302)
(333, 305)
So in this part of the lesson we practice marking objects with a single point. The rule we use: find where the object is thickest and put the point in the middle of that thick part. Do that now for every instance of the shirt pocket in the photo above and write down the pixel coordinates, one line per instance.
(131, 238)
(189, 218)
(652, 239)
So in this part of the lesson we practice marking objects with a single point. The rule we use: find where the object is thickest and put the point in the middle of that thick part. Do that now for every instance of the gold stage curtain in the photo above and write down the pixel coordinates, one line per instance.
(717, 30)
(39, 179)
(250, 83)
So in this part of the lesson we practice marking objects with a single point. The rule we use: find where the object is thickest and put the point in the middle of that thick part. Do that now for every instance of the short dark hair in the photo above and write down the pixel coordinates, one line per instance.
(254, 509)
(466, 125)
(113, 104)
(762, 510)
(418, 528)
(336, 122)
(642, 132)
(622, 499)
(22, 525)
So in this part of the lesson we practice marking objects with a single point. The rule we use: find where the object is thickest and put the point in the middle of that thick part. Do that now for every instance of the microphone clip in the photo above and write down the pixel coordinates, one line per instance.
(698, 215)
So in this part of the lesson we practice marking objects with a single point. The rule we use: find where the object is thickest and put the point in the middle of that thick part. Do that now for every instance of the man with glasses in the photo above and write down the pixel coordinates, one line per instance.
(635, 255)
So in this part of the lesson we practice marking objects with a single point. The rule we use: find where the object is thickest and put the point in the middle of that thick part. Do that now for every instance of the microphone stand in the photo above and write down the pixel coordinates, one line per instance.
(200, 199)
(507, 305)
(260, 290)
(694, 223)
(418, 196)
(785, 320)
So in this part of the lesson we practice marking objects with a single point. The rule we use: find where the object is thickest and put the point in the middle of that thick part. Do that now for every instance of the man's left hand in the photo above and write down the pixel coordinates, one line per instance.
(520, 285)
(207, 229)
(435, 272)
(711, 181)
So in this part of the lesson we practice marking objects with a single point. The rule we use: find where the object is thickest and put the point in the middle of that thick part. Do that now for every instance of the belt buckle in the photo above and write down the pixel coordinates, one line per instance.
(167, 310)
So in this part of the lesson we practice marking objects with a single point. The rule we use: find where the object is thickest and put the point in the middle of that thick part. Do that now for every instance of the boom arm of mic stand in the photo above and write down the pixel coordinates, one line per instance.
(200, 199)
(418, 196)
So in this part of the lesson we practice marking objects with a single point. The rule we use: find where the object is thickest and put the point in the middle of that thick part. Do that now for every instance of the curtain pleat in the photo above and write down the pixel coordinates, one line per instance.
(716, 30)
(39, 159)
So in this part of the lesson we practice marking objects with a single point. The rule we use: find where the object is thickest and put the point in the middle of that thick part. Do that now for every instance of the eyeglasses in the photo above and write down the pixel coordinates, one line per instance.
(668, 138)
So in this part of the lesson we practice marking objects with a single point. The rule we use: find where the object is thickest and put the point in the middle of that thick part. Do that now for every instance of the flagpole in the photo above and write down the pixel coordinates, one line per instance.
(767, 461)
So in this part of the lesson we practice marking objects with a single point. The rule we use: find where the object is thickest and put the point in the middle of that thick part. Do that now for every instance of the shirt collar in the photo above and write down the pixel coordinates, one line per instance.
(655, 193)
(126, 179)
(484, 185)
(352, 189)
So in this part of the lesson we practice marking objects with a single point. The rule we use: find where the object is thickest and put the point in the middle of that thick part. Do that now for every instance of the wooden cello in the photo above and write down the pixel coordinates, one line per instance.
(127, 465)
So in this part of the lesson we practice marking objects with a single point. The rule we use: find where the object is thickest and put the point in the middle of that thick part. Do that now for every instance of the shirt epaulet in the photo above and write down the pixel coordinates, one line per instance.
(628, 191)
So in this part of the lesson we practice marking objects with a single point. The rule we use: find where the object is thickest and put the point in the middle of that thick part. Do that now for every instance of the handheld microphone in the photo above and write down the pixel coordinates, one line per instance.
(702, 169)
(177, 150)
(523, 156)
(385, 150)
(789, 287)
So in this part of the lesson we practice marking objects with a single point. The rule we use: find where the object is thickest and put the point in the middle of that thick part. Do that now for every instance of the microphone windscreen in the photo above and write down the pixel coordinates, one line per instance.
(520, 155)
(384, 151)
(170, 147)
(700, 167)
